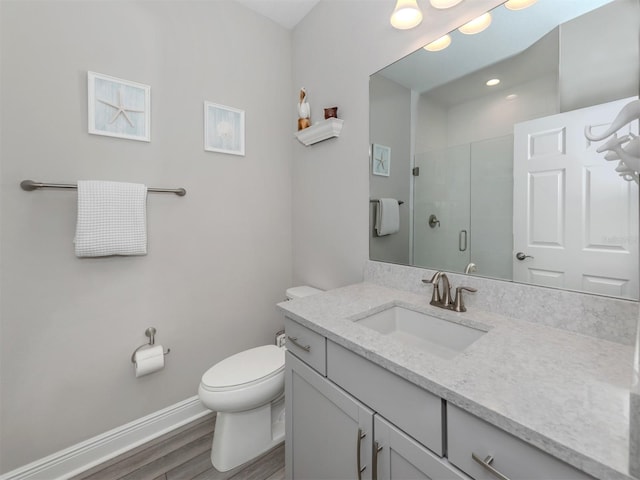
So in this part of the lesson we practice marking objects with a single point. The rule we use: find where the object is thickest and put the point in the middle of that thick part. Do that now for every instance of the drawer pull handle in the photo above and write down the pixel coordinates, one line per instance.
(360, 469)
(376, 449)
(294, 340)
(486, 463)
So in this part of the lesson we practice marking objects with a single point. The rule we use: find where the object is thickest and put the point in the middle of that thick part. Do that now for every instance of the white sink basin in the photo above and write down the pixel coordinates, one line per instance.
(441, 337)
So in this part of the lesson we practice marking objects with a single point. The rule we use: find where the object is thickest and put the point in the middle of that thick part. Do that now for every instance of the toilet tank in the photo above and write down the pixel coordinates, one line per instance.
(302, 291)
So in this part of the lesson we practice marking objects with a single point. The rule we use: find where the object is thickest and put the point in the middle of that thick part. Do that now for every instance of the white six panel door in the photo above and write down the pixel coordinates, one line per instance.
(573, 215)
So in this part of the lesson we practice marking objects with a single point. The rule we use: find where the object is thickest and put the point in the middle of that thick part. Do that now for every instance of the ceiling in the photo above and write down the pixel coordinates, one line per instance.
(285, 12)
(510, 33)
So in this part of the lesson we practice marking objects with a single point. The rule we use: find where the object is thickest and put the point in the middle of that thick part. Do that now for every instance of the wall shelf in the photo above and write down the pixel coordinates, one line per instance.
(320, 131)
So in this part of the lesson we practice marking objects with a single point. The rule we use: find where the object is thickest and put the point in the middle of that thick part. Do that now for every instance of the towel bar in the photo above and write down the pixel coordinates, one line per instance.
(29, 185)
(374, 200)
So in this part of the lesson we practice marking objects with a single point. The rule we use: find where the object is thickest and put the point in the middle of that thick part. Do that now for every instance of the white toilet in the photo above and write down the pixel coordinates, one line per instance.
(247, 391)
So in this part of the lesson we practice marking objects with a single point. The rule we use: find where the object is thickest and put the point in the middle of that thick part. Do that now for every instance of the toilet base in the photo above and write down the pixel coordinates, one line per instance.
(242, 436)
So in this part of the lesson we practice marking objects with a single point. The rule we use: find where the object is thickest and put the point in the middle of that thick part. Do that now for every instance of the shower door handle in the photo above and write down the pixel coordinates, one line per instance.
(462, 240)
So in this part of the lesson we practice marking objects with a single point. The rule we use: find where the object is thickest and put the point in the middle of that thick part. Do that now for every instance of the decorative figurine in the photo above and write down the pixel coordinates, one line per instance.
(331, 112)
(304, 111)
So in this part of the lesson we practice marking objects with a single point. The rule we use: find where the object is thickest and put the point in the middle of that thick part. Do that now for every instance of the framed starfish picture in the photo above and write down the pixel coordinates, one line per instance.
(119, 108)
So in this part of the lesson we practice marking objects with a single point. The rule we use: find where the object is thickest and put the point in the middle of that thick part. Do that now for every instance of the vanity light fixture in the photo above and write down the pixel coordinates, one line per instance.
(519, 4)
(441, 4)
(493, 82)
(406, 15)
(476, 25)
(439, 44)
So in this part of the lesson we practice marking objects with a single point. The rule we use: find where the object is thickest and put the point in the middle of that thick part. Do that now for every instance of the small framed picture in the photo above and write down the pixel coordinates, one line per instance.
(223, 129)
(381, 160)
(119, 108)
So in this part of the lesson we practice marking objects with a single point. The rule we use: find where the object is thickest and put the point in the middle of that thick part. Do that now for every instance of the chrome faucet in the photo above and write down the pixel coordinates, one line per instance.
(442, 299)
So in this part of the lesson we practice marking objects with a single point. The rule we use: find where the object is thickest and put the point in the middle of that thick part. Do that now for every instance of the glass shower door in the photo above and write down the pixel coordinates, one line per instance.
(441, 215)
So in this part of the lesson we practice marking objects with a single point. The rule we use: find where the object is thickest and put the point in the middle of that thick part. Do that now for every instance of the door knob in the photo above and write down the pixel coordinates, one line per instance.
(521, 256)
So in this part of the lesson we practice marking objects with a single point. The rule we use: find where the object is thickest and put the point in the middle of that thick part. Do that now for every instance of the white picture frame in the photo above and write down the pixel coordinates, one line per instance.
(118, 108)
(223, 129)
(381, 160)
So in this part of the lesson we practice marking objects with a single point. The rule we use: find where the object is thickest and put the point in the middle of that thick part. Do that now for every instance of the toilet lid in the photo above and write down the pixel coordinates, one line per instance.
(245, 367)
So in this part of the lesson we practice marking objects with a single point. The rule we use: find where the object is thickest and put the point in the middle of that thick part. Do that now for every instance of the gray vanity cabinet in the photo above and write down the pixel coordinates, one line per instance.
(363, 417)
(329, 433)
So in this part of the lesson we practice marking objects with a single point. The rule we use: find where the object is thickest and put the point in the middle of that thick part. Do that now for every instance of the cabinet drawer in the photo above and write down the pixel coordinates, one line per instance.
(512, 457)
(307, 345)
(412, 409)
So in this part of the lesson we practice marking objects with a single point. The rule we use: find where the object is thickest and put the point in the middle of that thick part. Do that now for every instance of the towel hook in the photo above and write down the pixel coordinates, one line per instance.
(151, 333)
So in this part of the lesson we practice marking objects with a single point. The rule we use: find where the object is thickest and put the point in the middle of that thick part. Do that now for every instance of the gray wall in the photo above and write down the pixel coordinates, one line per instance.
(335, 49)
(219, 258)
(390, 125)
(616, 67)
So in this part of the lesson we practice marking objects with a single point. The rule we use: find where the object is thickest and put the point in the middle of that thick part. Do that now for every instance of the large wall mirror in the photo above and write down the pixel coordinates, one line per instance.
(500, 181)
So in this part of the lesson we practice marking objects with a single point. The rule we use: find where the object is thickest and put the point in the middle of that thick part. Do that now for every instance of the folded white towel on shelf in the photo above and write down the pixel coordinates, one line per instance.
(112, 219)
(387, 217)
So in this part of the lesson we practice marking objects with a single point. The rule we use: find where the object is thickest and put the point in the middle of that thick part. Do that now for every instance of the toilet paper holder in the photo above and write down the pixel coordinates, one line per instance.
(151, 333)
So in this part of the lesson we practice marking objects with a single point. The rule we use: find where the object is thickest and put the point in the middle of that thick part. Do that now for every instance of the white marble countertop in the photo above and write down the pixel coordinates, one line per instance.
(565, 393)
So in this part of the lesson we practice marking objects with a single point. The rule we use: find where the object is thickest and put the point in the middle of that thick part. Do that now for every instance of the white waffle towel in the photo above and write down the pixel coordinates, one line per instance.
(112, 219)
(387, 217)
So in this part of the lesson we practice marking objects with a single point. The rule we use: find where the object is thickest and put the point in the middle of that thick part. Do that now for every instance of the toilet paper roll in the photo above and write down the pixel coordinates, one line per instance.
(148, 360)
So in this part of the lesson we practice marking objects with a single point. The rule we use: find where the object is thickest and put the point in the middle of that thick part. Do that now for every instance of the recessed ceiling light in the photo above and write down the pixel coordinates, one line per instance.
(476, 25)
(406, 15)
(444, 3)
(519, 4)
(493, 82)
(511, 96)
(439, 44)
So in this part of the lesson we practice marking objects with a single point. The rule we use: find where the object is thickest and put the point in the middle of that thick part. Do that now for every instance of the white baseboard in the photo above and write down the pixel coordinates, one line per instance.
(85, 455)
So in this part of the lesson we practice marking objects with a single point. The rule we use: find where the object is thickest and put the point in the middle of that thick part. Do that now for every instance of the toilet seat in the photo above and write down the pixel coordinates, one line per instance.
(244, 369)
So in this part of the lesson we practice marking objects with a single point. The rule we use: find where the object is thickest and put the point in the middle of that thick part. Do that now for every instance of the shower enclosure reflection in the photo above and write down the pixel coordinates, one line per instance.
(470, 188)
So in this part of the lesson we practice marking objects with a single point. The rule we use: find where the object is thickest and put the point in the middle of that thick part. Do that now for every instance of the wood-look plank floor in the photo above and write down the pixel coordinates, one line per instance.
(184, 454)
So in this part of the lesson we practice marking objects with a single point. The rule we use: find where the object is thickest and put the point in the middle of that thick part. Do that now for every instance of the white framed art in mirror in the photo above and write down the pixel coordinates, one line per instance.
(381, 160)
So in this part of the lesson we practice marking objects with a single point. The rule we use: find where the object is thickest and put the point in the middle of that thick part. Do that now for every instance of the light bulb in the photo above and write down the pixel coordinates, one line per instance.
(493, 82)
(439, 44)
(406, 15)
(444, 3)
(519, 4)
(476, 25)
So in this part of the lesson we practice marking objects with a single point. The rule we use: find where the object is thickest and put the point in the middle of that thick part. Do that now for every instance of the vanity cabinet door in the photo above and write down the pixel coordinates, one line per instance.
(329, 433)
(396, 456)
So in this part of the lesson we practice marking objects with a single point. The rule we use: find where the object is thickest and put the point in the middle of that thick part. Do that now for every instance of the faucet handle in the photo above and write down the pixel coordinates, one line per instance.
(458, 302)
(435, 297)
